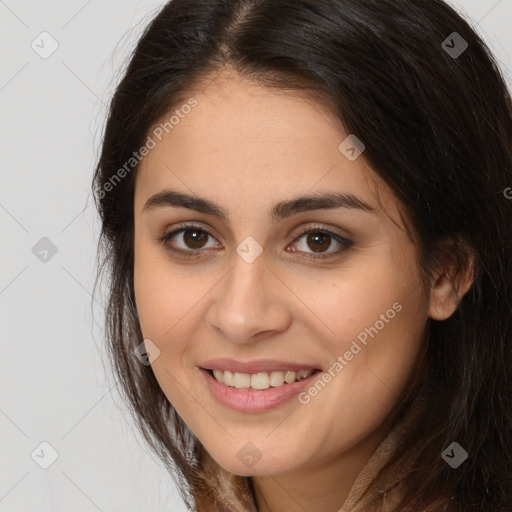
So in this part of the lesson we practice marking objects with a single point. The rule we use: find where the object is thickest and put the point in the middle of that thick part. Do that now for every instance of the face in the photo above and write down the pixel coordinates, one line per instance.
(273, 282)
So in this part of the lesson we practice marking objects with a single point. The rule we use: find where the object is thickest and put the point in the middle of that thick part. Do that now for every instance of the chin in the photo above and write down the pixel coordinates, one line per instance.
(259, 468)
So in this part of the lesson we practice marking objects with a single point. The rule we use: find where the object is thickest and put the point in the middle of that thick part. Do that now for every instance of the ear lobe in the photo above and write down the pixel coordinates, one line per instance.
(449, 286)
(443, 299)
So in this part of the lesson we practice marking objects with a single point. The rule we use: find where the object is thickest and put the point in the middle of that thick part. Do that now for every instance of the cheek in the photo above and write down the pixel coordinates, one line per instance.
(373, 319)
(164, 303)
(342, 306)
(149, 290)
(163, 295)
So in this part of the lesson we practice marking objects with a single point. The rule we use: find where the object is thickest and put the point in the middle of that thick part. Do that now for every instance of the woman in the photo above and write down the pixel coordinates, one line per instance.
(307, 234)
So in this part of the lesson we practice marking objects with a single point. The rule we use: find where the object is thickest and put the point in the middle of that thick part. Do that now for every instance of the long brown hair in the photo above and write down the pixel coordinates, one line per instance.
(436, 119)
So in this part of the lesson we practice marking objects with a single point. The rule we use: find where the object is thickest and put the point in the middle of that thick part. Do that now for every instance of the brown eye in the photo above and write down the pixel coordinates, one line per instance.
(195, 239)
(318, 242)
(186, 241)
(315, 243)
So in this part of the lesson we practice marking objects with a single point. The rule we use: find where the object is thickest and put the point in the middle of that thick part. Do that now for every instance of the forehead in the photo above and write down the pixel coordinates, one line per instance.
(247, 111)
(243, 122)
(251, 142)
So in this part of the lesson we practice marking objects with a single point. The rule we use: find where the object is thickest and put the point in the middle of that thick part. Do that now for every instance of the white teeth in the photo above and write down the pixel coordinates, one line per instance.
(302, 374)
(229, 378)
(276, 379)
(289, 377)
(218, 375)
(261, 380)
(242, 380)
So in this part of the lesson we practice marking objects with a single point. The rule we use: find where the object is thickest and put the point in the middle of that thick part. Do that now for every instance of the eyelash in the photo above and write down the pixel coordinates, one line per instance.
(346, 244)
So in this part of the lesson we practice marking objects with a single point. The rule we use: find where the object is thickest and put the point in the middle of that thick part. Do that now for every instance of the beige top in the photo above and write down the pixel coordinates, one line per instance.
(383, 452)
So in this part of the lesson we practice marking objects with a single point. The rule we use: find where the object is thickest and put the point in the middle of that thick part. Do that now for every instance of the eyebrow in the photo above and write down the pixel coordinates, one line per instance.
(281, 210)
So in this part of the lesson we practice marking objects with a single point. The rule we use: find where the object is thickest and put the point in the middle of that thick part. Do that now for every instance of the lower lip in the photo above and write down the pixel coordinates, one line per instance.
(248, 400)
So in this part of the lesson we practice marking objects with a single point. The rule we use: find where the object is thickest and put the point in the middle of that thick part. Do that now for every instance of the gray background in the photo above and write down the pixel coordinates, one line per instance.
(53, 386)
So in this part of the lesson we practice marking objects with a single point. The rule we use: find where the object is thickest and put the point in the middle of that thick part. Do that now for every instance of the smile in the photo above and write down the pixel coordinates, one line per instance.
(260, 380)
(236, 390)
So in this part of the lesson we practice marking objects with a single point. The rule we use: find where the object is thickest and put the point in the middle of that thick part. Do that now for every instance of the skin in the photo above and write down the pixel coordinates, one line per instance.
(246, 148)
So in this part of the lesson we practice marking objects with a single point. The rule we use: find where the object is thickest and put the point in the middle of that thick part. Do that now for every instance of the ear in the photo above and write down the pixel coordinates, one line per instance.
(451, 281)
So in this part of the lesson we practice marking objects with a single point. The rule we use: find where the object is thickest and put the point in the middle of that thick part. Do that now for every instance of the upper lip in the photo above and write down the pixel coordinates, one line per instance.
(254, 366)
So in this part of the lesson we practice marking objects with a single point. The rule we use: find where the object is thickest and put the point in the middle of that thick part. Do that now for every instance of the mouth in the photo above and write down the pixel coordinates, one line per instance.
(250, 399)
(260, 381)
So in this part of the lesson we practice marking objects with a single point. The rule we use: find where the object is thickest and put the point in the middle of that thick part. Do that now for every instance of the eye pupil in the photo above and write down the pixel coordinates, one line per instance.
(193, 237)
(319, 237)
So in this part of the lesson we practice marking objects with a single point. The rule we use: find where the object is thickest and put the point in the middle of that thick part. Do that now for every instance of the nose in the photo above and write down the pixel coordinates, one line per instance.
(251, 300)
